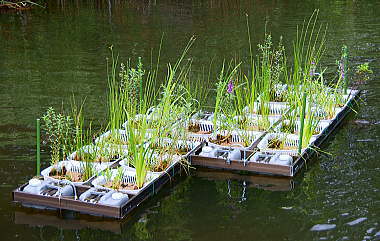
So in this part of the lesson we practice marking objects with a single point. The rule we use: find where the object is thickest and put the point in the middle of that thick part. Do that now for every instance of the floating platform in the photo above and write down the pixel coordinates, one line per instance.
(272, 169)
(282, 182)
(117, 211)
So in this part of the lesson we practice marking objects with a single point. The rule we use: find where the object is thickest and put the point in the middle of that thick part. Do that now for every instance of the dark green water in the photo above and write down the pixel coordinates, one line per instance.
(48, 55)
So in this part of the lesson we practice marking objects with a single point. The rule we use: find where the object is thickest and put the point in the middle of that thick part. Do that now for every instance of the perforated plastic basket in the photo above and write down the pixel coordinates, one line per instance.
(129, 176)
(291, 143)
(238, 136)
(72, 166)
(253, 120)
(275, 108)
(322, 124)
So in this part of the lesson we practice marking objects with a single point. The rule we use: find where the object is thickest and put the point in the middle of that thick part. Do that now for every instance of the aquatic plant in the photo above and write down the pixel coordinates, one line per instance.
(58, 128)
(343, 67)
(131, 81)
(308, 48)
(88, 170)
(196, 93)
(224, 101)
(364, 69)
(117, 97)
(108, 174)
(118, 179)
(308, 121)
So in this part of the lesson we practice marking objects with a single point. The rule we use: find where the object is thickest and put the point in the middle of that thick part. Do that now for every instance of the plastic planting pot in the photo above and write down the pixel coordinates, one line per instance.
(322, 124)
(237, 137)
(72, 166)
(197, 137)
(102, 153)
(121, 134)
(253, 120)
(129, 176)
(205, 126)
(290, 144)
(275, 108)
(179, 144)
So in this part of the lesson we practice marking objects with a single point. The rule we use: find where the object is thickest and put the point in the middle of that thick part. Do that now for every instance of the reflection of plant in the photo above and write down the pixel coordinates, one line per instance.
(232, 196)
(141, 231)
(59, 130)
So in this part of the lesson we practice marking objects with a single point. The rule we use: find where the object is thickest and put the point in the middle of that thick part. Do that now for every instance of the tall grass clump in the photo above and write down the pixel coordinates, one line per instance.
(308, 48)
(224, 100)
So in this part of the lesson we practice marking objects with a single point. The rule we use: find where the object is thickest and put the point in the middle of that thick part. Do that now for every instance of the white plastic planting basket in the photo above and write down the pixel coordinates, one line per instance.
(238, 137)
(291, 141)
(107, 149)
(122, 134)
(322, 124)
(253, 119)
(204, 125)
(154, 161)
(71, 166)
(202, 115)
(129, 176)
(149, 117)
(320, 112)
(275, 108)
(178, 144)
(346, 97)
(197, 137)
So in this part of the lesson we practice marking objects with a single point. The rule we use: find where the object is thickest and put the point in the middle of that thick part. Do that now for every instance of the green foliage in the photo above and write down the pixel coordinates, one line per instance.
(224, 102)
(59, 130)
(364, 69)
(118, 179)
(88, 170)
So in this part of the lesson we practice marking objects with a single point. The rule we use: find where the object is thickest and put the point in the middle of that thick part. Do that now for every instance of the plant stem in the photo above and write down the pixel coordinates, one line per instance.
(302, 122)
(38, 148)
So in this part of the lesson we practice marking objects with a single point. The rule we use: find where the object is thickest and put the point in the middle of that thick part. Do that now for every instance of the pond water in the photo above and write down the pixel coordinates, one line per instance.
(48, 55)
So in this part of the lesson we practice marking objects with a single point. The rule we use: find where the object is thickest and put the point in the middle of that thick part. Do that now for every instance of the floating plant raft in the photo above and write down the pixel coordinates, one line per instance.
(91, 196)
(261, 158)
(87, 198)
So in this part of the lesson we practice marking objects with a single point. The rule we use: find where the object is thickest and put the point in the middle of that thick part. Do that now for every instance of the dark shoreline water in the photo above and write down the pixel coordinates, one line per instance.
(47, 55)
